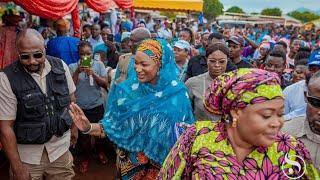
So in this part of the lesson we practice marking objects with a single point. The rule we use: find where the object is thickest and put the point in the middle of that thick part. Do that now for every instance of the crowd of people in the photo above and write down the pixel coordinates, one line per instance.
(174, 99)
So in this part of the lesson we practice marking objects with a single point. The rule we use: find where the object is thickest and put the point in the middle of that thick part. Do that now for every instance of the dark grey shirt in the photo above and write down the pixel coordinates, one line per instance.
(197, 87)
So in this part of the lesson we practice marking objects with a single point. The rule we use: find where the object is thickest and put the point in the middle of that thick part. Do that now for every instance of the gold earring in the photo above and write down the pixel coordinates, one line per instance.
(234, 122)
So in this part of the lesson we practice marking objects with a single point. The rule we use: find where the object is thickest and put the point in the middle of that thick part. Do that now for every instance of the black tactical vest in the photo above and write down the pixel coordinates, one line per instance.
(40, 116)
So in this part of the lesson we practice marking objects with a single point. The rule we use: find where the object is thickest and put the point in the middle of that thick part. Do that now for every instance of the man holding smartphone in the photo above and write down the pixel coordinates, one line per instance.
(109, 47)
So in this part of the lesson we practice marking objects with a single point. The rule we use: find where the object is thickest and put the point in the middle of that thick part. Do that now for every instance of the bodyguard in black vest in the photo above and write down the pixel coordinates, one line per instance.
(36, 141)
(39, 115)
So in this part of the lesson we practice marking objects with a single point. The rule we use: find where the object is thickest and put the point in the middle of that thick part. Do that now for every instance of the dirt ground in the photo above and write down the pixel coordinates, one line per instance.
(96, 171)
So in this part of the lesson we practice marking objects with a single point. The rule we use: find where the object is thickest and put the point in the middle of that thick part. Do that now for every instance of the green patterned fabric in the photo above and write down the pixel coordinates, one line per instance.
(237, 89)
(204, 152)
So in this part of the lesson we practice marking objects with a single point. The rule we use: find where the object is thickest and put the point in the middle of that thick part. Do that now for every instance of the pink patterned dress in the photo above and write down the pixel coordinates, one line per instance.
(204, 152)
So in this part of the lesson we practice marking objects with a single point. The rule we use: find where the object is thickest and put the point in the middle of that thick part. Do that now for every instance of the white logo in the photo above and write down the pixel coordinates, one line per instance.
(290, 174)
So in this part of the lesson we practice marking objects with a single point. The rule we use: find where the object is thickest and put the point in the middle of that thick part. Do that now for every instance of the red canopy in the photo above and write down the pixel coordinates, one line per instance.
(52, 9)
(49, 9)
(124, 4)
(99, 5)
(56, 9)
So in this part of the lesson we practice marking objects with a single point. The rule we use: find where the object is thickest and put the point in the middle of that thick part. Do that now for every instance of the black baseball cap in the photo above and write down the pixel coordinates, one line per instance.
(237, 40)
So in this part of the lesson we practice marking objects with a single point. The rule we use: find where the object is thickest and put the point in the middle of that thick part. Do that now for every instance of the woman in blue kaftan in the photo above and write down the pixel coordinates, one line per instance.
(143, 112)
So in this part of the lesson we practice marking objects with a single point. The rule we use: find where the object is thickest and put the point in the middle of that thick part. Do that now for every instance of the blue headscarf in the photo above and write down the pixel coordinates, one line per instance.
(141, 116)
(126, 25)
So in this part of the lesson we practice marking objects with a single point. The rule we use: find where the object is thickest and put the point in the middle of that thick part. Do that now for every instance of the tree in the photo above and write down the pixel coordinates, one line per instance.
(235, 9)
(304, 16)
(169, 14)
(271, 12)
(212, 8)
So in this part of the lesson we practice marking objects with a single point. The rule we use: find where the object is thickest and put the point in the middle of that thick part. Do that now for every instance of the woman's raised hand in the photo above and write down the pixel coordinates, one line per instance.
(79, 119)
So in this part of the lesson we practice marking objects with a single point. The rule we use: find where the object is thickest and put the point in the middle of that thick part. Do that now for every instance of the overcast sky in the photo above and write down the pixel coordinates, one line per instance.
(285, 5)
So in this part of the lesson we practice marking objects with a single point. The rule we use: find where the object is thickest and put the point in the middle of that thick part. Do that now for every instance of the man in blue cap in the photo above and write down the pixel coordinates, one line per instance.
(314, 61)
(295, 105)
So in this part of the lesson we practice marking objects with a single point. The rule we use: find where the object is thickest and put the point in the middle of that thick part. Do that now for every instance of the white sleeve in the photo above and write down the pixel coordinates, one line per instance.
(8, 100)
(286, 94)
(189, 84)
(71, 85)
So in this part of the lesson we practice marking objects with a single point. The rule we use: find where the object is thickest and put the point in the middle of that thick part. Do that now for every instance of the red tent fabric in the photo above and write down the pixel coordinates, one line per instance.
(76, 22)
(52, 9)
(124, 4)
(56, 9)
(100, 6)
(49, 9)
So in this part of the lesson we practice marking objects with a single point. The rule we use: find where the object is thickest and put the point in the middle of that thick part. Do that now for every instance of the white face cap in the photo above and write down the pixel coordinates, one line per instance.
(182, 44)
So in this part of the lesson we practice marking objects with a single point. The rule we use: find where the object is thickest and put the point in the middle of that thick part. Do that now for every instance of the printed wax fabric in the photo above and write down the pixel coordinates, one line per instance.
(205, 152)
(237, 89)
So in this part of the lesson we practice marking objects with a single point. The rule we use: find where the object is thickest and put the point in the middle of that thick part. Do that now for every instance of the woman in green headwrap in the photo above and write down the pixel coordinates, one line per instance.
(246, 142)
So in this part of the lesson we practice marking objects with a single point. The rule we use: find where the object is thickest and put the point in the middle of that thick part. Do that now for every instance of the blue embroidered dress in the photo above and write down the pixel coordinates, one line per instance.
(142, 117)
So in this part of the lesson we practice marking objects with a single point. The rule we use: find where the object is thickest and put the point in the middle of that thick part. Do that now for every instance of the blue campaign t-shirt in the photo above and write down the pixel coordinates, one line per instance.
(88, 96)
(65, 48)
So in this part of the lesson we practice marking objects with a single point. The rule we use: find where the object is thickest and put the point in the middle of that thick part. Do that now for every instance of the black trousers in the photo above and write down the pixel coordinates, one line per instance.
(94, 115)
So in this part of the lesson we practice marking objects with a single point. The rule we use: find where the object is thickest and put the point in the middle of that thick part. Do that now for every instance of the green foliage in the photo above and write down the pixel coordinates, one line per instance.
(304, 16)
(235, 9)
(169, 14)
(271, 12)
(212, 8)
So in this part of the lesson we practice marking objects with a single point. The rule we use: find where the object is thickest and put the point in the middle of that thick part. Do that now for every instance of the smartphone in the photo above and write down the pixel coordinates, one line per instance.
(110, 37)
(86, 62)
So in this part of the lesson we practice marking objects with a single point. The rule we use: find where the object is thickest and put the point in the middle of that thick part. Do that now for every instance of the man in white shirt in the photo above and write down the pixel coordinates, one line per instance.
(164, 32)
(96, 37)
(295, 105)
(307, 128)
(35, 93)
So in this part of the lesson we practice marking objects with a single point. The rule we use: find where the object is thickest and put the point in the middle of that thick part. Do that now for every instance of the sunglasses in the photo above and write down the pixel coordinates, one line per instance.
(313, 101)
(27, 56)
